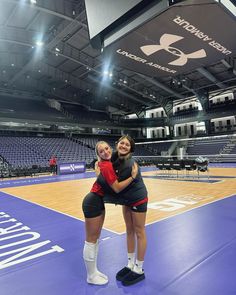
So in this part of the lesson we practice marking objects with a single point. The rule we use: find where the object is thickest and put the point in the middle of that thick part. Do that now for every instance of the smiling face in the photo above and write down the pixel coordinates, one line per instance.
(123, 147)
(103, 151)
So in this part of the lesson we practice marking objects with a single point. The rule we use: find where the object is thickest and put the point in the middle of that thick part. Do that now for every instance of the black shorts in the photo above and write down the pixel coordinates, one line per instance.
(53, 168)
(93, 205)
(139, 208)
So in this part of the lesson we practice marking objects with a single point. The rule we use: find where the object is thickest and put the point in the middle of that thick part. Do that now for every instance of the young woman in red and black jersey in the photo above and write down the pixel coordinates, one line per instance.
(134, 200)
(94, 210)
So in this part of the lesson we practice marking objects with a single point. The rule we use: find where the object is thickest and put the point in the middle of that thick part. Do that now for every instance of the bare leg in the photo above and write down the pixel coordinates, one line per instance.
(127, 214)
(139, 219)
(130, 240)
(93, 227)
(135, 224)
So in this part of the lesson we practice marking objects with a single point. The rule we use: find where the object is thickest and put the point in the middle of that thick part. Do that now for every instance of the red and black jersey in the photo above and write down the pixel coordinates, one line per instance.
(108, 173)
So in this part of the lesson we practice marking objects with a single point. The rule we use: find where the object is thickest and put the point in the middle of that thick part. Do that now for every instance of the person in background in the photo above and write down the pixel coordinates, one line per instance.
(53, 165)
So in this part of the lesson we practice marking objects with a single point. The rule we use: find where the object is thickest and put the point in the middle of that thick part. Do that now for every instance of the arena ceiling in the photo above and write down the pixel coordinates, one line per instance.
(46, 52)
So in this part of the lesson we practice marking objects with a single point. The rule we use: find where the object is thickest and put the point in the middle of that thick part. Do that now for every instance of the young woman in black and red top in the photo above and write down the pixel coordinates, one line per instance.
(134, 200)
(94, 210)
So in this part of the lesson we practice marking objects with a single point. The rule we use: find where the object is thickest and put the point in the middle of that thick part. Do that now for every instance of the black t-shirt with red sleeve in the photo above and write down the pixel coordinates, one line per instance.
(134, 192)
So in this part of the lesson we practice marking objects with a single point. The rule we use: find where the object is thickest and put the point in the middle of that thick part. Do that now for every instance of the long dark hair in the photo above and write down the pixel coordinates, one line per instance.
(131, 141)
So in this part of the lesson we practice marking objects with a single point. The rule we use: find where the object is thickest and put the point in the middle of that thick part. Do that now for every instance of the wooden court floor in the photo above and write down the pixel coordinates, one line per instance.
(167, 197)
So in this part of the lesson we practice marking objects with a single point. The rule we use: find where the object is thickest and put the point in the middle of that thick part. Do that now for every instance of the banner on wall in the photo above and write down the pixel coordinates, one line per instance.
(180, 39)
(71, 168)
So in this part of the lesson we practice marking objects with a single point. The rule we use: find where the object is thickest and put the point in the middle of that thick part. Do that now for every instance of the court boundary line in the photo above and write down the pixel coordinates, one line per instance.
(164, 218)
(190, 180)
(54, 180)
(68, 215)
(114, 232)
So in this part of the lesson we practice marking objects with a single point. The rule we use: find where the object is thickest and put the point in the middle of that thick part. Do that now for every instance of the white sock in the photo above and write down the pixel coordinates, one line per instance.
(89, 255)
(96, 255)
(131, 259)
(138, 267)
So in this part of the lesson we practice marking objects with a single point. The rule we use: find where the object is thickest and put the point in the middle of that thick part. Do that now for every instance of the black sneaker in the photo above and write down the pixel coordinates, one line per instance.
(132, 278)
(123, 273)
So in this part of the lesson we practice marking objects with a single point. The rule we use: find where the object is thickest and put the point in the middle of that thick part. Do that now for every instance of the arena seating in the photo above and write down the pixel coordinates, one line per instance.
(23, 156)
(206, 147)
(25, 152)
(30, 109)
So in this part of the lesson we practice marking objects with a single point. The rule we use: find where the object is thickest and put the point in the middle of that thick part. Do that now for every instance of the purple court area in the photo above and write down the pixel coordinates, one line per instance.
(56, 178)
(223, 165)
(196, 179)
(192, 253)
(44, 179)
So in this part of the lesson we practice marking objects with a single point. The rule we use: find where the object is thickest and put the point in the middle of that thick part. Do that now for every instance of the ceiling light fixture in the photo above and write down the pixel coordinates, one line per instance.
(39, 43)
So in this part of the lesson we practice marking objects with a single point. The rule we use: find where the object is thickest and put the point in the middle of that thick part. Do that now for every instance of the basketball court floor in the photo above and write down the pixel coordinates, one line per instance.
(191, 230)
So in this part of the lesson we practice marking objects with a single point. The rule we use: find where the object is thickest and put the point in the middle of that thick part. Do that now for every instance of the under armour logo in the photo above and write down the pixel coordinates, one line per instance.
(165, 41)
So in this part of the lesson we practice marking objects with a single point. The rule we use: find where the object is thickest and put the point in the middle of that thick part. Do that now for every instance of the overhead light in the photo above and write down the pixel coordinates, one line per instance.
(12, 65)
(57, 49)
(105, 73)
(39, 43)
(33, 1)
